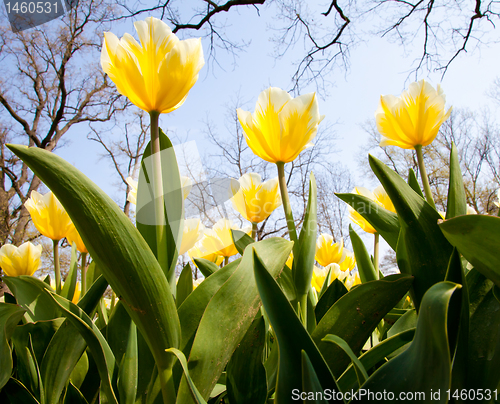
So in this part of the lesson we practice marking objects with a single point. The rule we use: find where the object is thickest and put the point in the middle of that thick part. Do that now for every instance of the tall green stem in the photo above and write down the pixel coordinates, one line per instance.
(226, 261)
(376, 252)
(161, 250)
(254, 231)
(84, 273)
(423, 175)
(286, 202)
(167, 385)
(57, 269)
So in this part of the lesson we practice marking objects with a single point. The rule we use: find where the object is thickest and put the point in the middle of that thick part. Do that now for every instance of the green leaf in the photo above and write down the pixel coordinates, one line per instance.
(206, 267)
(228, 316)
(173, 200)
(426, 365)
(74, 396)
(304, 252)
(406, 322)
(477, 238)
(184, 284)
(10, 315)
(310, 381)
(364, 263)
(285, 280)
(384, 221)
(195, 394)
(292, 338)
(427, 250)
(241, 240)
(69, 287)
(15, 392)
(457, 204)
(334, 292)
(117, 247)
(246, 376)
(355, 315)
(413, 183)
(348, 380)
(128, 372)
(358, 366)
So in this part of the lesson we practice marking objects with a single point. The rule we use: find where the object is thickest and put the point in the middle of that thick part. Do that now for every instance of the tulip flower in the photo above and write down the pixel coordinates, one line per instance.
(219, 238)
(197, 282)
(74, 237)
(254, 199)
(281, 126)
(289, 261)
(193, 232)
(349, 261)
(328, 252)
(352, 280)
(199, 252)
(48, 215)
(22, 260)
(157, 74)
(320, 274)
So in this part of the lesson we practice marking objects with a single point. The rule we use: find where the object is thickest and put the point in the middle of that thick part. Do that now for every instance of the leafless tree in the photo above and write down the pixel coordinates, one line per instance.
(51, 82)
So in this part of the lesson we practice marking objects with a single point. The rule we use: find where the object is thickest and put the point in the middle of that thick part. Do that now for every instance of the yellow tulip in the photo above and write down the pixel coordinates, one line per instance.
(254, 199)
(22, 260)
(352, 280)
(289, 261)
(414, 118)
(48, 215)
(157, 74)
(349, 261)
(281, 126)
(328, 252)
(318, 278)
(379, 196)
(76, 295)
(186, 185)
(193, 232)
(74, 237)
(383, 199)
(199, 252)
(197, 282)
(219, 239)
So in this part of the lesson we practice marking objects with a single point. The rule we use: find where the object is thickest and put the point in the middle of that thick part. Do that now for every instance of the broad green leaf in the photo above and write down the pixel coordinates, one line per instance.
(246, 376)
(10, 315)
(192, 309)
(195, 394)
(74, 396)
(426, 365)
(406, 322)
(355, 315)
(173, 201)
(334, 292)
(364, 263)
(241, 240)
(292, 338)
(69, 287)
(413, 183)
(128, 372)
(348, 380)
(29, 294)
(118, 331)
(310, 381)
(67, 346)
(304, 252)
(206, 267)
(97, 344)
(457, 204)
(80, 370)
(16, 393)
(285, 280)
(427, 250)
(184, 284)
(384, 221)
(477, 238)
(228, 316)
(117, 247)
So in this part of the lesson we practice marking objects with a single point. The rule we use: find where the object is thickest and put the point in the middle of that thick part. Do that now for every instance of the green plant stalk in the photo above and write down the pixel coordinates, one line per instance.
(303, 309)
(57, 269)
(159, 207)
(286, 203)
(84, 273)
(254, 231)
(226, 261)
(423, 175)
(376, 240)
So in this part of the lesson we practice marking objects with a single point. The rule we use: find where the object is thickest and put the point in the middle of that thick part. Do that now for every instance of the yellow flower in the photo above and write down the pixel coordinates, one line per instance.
(193, 232)
(253, 199)
(318, 278)
(349, 261)
(74, 237)
(328, 252)
(219, 239)
(281, 126)
(289, 261)
(352, 280)
(22, 260)
(48, 215)
(199, 252)
(157, 74)
(197, 282)
(355, 216)
(470, 211)
(412, 119)
(383, 199)
(186, 185)
(76, 295)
